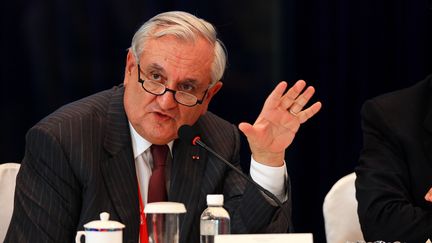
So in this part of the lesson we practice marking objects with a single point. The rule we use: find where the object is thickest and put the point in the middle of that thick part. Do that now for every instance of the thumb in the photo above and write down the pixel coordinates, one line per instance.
(246, 128)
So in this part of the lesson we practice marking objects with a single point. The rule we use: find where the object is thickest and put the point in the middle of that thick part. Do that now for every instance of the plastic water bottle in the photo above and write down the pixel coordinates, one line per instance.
(215, 220)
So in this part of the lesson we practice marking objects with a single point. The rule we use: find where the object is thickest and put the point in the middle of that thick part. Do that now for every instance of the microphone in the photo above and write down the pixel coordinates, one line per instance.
(186, 133)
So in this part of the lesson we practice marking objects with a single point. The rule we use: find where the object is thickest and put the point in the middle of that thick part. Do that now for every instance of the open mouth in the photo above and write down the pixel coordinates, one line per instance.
(162, 116)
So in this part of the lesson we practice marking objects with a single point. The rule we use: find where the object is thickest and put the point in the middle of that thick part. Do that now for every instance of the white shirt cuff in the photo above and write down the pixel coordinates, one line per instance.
(271, 178)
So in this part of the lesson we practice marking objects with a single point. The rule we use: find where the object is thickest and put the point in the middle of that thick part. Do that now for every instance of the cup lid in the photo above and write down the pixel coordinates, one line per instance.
(104, 223)
(164, 207)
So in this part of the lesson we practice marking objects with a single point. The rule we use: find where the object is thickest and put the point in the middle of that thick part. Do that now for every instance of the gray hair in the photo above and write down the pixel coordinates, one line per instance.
(184, 26)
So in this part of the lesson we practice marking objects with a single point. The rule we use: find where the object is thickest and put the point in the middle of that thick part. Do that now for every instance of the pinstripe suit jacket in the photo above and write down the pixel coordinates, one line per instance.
(79, 162)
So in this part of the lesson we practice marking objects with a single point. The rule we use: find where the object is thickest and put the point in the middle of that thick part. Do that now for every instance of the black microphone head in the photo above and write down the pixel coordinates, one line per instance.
(187, 133)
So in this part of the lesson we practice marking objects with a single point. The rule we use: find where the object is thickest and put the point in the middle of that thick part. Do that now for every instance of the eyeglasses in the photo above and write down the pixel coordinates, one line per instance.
(158, 89)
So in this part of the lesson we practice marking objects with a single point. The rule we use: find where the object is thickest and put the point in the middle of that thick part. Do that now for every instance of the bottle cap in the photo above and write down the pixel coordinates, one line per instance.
(215, 199)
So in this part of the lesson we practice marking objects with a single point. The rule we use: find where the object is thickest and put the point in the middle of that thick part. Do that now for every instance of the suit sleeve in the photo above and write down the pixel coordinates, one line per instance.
(250, 210)
(386, 206)
(46, 195)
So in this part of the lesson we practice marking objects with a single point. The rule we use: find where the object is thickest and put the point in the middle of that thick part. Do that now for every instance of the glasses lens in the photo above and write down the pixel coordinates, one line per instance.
(185, 98)
(180, 96)
(154, 87)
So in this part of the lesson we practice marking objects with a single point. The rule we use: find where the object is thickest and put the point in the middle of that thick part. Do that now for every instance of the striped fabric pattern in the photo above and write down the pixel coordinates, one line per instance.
(79, 162)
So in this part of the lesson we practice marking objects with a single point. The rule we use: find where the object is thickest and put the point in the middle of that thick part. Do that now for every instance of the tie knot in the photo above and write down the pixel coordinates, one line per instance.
(159, 153)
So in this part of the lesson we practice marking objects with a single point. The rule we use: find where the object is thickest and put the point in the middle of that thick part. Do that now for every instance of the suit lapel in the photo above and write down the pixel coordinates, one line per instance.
(118, 169)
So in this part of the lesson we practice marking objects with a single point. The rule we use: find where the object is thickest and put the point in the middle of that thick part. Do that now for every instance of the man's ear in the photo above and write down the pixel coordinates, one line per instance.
(130, 65)
(210, 93)
(213, 90)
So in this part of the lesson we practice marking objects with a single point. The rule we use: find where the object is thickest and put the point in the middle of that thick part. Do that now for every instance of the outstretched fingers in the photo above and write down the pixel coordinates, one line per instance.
(301, 100)
(304, 115)
(273, 100)
(291, 96)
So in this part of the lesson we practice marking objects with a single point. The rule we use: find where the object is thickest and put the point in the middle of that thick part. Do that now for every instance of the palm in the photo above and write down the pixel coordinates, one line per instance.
(275, 128)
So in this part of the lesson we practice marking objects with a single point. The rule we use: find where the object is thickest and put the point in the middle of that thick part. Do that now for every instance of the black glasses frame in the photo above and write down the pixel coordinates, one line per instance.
(170, 90)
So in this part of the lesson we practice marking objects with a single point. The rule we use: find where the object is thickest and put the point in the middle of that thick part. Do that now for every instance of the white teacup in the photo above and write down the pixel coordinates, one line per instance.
(101, 231)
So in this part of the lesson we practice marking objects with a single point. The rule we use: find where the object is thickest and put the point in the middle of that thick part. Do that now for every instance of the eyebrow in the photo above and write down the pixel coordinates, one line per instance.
(159, 68)
(156, 66)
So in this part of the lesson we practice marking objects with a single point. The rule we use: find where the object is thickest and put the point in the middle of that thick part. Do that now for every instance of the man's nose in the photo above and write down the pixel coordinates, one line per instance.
(167, 100)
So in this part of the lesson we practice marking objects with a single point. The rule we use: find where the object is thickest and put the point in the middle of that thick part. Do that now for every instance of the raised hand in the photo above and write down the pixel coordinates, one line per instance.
(279, 121)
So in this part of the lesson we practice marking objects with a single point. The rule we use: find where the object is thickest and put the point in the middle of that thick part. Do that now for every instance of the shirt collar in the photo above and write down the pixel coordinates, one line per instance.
(140, 144)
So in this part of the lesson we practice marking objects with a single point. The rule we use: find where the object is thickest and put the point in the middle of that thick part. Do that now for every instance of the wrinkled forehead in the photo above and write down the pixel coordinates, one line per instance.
(178, 57)
(185, 48)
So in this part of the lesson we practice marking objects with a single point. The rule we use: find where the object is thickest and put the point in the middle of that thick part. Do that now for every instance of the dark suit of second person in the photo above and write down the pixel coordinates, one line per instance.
(395, 170)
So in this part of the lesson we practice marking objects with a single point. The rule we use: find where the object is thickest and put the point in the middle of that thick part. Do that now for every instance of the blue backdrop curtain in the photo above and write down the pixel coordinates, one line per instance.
(57, 51)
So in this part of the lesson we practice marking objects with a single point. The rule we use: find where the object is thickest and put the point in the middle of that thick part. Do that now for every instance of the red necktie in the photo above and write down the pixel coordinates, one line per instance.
(157, 188)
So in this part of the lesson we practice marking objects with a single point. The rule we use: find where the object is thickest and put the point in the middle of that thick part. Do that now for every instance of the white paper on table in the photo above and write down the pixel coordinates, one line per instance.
(268, 238)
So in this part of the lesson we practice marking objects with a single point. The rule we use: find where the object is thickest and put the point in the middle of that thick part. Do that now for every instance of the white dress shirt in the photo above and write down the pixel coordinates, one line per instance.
(271, 178)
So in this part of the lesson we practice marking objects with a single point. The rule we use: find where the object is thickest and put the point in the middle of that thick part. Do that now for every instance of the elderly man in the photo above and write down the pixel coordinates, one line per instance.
(98, 154)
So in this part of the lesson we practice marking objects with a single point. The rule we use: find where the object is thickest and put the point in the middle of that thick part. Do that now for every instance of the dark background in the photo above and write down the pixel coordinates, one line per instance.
(54, 52)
